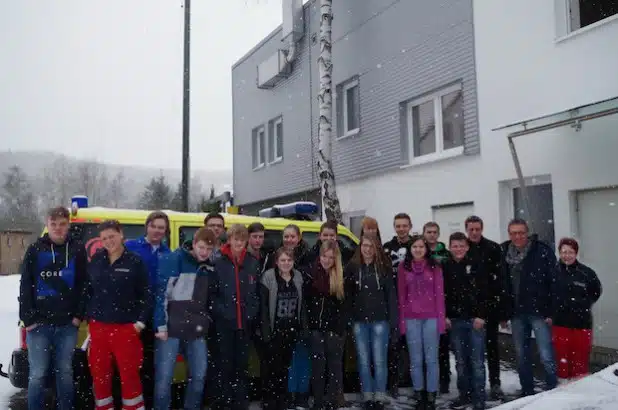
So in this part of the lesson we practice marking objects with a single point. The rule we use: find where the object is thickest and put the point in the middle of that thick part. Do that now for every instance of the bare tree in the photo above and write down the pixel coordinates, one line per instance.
(195, 192)
(59, 181)
(116, 195)
(92, 180)
(330, 200)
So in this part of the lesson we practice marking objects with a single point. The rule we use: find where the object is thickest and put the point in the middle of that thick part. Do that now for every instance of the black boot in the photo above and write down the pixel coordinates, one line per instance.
(421, 399)
(302, 401)
(430, 403)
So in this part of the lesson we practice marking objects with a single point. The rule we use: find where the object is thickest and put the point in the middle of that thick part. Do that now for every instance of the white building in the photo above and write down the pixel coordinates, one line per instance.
(533, 59)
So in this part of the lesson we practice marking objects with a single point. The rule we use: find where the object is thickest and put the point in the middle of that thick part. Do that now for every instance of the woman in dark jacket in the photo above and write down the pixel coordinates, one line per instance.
(372, 302)
(327, 323)
(282, 323)
(577, 288)
(119, 308)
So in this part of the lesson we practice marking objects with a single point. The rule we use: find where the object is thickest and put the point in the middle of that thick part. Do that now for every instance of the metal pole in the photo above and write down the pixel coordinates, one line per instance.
(522, 185)
(186, 109)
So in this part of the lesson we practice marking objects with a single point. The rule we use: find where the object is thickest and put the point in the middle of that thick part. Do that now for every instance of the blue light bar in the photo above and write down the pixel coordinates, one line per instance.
(297, 208)
(268, 213)
(79, 201)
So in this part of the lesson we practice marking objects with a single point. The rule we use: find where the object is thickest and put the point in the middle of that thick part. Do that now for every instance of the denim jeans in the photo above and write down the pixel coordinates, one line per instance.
(423, 340)
(469, 346)
(522, 327)
(299, 374)
(45, 341)
(195, 355)
(372, 347)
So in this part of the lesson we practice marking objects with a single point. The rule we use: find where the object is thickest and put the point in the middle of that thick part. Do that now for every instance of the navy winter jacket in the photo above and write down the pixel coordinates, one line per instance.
(54, 283)
(233, 290)
(120, 292)
(577, 288)
(537, 282)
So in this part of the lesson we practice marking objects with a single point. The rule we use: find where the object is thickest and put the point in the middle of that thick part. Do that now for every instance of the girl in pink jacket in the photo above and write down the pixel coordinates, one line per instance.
(422, 317)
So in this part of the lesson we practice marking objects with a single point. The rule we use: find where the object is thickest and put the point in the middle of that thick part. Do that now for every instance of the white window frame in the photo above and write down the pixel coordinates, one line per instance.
(344, 108)
(277, 156)
(258, 145)
(440, 152)
(567, 20)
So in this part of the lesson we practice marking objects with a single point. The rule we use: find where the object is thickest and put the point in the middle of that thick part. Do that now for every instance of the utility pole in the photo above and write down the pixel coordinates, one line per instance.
(186, 108)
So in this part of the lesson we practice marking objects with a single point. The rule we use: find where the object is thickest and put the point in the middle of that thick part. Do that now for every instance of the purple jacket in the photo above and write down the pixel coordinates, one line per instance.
(421, 294)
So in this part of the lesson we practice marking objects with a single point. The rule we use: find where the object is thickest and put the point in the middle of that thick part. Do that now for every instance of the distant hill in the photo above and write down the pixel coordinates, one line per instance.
(36, 165)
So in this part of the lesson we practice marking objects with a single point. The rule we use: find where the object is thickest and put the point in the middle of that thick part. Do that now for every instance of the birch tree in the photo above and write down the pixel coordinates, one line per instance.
(330, 200)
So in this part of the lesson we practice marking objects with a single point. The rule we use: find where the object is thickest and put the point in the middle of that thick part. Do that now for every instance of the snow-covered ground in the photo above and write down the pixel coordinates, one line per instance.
(597, 392)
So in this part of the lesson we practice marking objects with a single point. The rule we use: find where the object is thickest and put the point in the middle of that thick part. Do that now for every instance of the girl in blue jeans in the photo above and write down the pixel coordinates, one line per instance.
(373, 308)
(422, 318)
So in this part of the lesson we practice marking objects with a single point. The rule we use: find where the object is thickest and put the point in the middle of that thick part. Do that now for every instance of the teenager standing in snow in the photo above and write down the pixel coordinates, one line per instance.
(466, 294)
(396, 249)
(233, 293)
(577, 288)
(150, 247)
(118, 311)
(283, 321)
(299, 374)
(327, 323)
(181, 318)
(490, 255)
(52, 301)
(372, 301)
(439, 252)
(422, 318)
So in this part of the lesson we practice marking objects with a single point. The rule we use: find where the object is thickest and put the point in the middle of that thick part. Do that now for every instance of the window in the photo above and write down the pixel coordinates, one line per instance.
(436, 124)
(88, 234)
(275, 140)
(258, 147)
(583, 13)
(348, 109)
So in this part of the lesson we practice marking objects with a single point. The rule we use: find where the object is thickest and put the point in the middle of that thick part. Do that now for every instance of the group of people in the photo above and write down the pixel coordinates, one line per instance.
(222, 291)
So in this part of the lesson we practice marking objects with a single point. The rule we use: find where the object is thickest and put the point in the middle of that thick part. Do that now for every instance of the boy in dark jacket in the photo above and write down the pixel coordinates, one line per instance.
(52, 303)
(466, 300)
(119, 307)
(234, 305)
(181, 317)
(396, 249)
(489, 254)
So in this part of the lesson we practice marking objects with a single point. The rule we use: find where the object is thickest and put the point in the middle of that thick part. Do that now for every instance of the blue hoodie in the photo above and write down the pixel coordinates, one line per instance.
(149, 255)
(181, 295)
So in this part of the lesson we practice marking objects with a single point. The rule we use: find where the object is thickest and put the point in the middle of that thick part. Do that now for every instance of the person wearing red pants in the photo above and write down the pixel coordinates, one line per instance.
(119, 307)
(577, 289)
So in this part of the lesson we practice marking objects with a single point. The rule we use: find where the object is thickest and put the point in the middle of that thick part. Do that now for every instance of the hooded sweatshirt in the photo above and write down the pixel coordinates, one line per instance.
(397, 252)
(371, 294)
(440, 253)
(181, 298)
(421, 293)
(54, 283)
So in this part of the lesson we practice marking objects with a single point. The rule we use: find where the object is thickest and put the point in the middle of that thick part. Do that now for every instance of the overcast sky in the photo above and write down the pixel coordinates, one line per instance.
(102, 79)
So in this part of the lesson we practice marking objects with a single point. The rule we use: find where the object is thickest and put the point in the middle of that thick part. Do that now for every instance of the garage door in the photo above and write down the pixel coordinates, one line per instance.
(451, 218)
(598, 224)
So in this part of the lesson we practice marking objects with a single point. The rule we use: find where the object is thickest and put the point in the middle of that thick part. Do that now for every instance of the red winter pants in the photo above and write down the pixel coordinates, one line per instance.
(120, 343)
(572, 348)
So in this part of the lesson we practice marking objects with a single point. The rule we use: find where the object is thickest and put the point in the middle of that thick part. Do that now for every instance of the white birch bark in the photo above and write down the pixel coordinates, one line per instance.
(330, 200)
